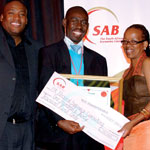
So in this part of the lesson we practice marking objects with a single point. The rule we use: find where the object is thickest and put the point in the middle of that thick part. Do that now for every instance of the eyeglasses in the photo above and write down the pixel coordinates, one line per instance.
(132, 42)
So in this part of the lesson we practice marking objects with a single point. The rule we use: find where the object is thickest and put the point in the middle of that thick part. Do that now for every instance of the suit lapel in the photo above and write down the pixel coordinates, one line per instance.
(66, 59)
(29, 49)
(4, 49)
(87, 61)
(66, 63)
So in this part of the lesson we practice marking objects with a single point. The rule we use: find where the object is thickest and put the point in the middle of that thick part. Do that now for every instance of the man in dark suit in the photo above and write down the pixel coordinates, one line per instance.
(18, 79)
(71, 57)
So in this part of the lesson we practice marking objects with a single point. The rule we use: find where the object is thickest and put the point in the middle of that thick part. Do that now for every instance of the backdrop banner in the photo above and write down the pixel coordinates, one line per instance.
(107, 23)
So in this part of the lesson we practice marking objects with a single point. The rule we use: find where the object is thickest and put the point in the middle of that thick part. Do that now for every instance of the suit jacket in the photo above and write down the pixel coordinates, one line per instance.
(56, 57)
(8, 75)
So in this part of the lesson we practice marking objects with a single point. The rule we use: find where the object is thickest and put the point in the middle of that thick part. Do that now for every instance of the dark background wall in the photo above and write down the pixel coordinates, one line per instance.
(44, 19)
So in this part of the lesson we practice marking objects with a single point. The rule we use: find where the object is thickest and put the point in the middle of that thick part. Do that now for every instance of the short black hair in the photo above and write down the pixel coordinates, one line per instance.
(21, 1)
(145, 33)
(76, 8)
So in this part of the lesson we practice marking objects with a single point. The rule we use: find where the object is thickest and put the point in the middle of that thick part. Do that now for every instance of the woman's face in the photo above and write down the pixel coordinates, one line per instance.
(133, 43)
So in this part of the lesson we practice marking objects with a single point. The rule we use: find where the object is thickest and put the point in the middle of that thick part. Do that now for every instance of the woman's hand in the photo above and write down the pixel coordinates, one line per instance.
(126, 129)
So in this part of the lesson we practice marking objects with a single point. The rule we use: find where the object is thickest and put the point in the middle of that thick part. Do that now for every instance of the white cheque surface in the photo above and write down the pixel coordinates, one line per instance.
(102, 94)
(72, 103)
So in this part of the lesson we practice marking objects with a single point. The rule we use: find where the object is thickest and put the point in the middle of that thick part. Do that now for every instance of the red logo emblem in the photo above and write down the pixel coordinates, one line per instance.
(103, 94)
(59, 82)
(97, 29)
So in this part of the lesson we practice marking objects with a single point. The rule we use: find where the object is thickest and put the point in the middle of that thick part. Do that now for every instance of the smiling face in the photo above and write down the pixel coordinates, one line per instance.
(134, 51)
(76, 24)
(14, 18)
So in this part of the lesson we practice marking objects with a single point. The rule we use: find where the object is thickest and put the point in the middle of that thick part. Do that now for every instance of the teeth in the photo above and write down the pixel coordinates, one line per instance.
(77, 33)
(16, 24)
(129, 51)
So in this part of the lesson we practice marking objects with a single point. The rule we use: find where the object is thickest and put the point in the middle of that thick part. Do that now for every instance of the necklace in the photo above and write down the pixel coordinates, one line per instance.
(77, 73)
(138, 66)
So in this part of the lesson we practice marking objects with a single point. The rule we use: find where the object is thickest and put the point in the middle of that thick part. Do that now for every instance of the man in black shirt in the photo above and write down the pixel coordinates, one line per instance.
(18, 79)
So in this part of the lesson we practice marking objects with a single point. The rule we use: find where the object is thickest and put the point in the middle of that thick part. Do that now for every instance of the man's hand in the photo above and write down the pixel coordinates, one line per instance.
(70, 127)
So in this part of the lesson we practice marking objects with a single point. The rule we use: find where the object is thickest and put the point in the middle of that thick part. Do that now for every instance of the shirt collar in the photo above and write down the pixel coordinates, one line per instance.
(69, 42)
(11, 41)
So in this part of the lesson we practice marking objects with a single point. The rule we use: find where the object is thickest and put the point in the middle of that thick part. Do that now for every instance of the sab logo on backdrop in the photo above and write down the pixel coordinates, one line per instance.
(103, 26)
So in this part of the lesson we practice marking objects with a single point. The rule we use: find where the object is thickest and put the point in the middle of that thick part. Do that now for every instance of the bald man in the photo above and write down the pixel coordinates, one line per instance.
(68, 56)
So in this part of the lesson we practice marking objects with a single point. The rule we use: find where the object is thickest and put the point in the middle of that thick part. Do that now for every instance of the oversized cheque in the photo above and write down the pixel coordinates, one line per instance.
(69, 101)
